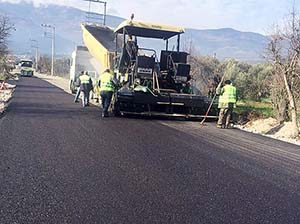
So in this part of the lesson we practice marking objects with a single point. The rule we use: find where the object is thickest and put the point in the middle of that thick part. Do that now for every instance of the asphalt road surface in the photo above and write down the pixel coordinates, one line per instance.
(60, 163)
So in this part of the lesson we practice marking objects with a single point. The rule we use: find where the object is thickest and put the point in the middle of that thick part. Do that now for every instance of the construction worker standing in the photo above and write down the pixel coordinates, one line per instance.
(227, 101)
(86, 85)
(107, 85)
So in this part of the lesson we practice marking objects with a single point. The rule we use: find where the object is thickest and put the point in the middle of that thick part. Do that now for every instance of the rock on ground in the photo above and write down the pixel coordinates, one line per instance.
(286, 131)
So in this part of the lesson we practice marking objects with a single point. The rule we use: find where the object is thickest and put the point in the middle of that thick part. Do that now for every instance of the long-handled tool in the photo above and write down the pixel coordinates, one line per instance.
(212, 101)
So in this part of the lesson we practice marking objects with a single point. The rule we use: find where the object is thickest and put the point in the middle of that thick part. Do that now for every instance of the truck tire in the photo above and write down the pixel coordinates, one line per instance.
(72, 87)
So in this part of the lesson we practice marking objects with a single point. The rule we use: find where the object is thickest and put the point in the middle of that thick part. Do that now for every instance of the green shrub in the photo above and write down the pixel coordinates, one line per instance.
(2, 77)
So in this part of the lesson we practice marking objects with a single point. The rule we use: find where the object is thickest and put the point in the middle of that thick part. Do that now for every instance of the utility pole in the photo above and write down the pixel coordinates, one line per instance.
(52, 37)
(35, 45)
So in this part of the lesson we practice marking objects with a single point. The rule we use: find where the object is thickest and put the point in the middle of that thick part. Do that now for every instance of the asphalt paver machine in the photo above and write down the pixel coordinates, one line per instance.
(154, 83)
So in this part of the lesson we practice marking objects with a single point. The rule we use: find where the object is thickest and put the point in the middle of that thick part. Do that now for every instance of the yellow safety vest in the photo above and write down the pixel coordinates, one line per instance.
(228, 95)
(84, 79)
(106, 82)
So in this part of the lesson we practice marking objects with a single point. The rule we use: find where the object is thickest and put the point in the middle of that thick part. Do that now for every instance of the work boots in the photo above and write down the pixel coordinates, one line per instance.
(226, 126)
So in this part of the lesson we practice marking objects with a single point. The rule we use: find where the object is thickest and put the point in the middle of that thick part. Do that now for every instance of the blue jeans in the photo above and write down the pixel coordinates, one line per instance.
(85, 97)
(106, 99)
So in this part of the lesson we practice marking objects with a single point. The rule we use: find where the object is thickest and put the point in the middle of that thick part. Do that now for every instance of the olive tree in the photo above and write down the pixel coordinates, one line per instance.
(205, 73)
(284, 54)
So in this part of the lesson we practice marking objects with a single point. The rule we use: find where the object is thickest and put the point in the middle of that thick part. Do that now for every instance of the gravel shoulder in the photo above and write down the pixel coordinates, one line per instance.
(60, 82)
(5, 96)
(269, 127)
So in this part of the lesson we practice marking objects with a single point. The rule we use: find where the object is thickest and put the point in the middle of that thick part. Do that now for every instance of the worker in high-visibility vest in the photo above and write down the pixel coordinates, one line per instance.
(107, 84)
(77, 85)
(86, 85)
(227, 101)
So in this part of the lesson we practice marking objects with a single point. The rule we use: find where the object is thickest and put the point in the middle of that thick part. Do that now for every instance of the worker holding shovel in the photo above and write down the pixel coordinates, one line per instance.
(227, 101)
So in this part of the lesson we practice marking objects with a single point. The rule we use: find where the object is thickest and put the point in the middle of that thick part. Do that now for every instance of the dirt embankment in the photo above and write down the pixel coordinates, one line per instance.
(271, 128)
(6, 92)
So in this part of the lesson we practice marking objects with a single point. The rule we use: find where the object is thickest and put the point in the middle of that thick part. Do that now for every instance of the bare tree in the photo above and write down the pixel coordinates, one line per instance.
(45, 64)
(5, 30)
(62, 67)
(284, 53)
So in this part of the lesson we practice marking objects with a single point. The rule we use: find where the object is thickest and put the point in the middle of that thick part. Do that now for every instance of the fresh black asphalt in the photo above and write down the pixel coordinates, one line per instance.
(61, 163)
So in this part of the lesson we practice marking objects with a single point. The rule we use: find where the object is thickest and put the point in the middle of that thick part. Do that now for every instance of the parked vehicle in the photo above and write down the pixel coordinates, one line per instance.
(26, 68)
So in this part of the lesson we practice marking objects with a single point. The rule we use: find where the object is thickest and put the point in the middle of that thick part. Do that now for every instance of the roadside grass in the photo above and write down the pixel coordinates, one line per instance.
(262, 109)
(256, 109)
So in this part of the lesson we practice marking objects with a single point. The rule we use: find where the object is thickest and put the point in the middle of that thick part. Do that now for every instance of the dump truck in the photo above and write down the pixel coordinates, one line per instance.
(152, 82)
(82, 60)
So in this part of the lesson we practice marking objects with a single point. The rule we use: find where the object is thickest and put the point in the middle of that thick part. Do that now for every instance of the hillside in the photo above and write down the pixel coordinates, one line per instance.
(225, 43)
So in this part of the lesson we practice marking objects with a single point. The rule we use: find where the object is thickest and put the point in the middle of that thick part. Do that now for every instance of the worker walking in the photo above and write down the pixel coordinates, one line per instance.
(107, 85)
(227, 101)
(77, 84)
(97, 90)
(86, 85)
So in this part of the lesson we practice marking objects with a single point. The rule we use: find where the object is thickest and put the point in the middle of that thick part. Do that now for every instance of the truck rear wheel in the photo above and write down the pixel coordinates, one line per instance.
(72, 87)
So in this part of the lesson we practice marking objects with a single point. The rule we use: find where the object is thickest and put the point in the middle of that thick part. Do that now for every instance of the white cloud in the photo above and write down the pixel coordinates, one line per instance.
(38, 3)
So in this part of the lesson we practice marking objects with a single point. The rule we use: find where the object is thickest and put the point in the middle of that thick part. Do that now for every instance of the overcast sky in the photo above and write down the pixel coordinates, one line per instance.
(245, 15)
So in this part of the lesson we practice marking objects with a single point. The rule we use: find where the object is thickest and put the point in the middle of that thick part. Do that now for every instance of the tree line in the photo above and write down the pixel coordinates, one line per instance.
(277, 79)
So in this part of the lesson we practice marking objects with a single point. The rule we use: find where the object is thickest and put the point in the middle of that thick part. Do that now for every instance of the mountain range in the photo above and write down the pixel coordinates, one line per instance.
(223, 43)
